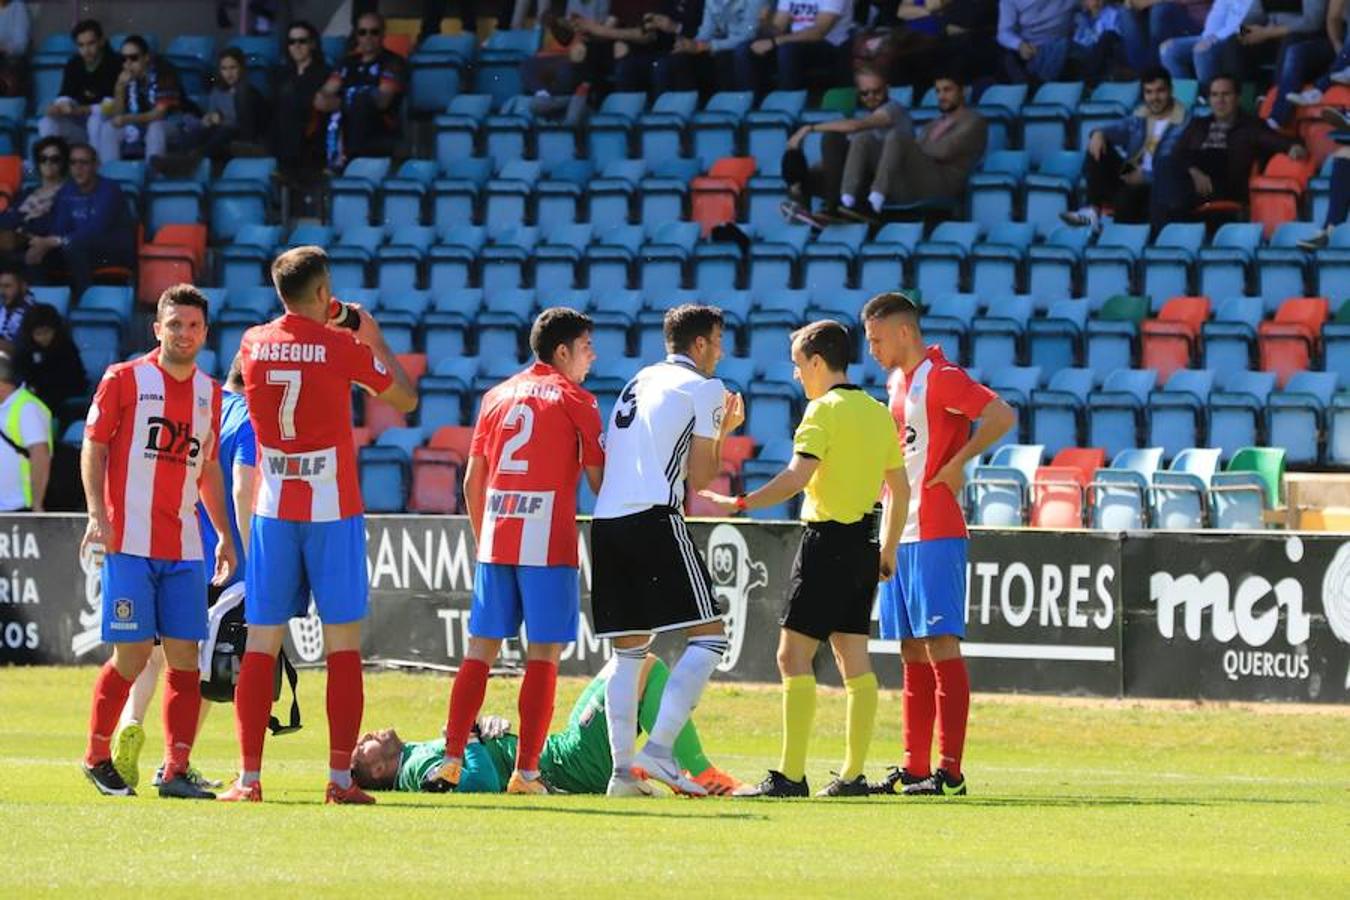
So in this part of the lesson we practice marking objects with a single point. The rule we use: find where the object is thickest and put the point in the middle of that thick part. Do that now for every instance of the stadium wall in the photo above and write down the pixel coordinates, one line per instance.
(1212, 615)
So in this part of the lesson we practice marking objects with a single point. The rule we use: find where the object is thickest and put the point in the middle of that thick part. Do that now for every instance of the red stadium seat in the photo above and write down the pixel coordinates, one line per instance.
(401, 44)
(1275, 195)
(714, 197)
(435, 481)
(1169, 341)
(11, 179)
(1057, 497)
(160, 268)
(379, 416)
(736, 449)
(415, 364)
(191, 237)
(361, 437)
(695, 505)
(455, 438)
(1087, 460)
(1289, 342)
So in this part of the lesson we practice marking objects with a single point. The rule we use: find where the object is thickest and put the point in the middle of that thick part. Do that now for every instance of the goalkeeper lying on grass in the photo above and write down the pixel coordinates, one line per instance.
(575, 760)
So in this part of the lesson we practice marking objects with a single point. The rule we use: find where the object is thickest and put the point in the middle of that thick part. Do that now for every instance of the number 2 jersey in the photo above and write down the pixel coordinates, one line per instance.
(537, 430)
(298, 375)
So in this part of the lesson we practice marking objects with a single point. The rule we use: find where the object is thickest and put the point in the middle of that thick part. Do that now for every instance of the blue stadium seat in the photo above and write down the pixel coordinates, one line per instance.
(258, 301)
(504, 261)
(776, 315)
(174, 202)
(615, 313)
(506, 132)
(1109, 102)
(405, 195)
(1109, 264)
(1229, 339)
(454, 200)
(996, 337)
(717, 265)
(350, 258)
(241, 196)
(1281, 267)
(1338, 431)
(438, 67)
(612, 256)
(353, 194)
(881, 263)
(612, 125)
(400, 261)
(497, 72)
(946, 322)
(768, 128)
(1001, 106)
(764, 195)
(611, 195)
(444, 392)
(503, 318)
(717, 126)
(452, 262)
(1055, 341)
(1225, 263)
(771, 409)
(993, 190)
(737, 373)
(400, 313)
(54, 295)
(1016, 385)
(774, 256)
(384, 473)
(1237, 409)
(661, 130)
(1120, 493)
(1177, 500)
(1177, 413)
(939, 261)
(1052, 267)
(996, 497)
(666, 255)
(827, 262)
(244, 261)
(665, 188)
(1298, 415)
(507, 196)
(1052, 188)
(1116, 412)
(1045, 121)
(1237, 500)
(560, 195)
(1169, 261)
(193, 56)
(457, 130)
(998, 261)
(558, 259)
(447, 323)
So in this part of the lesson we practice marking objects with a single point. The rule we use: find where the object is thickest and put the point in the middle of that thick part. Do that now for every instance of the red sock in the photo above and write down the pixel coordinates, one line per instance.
(346, 703)
(953, 702)
(919, 708)
(466, 698)
(110, 695)
(182, 705)
(253, 706)
(536, 711)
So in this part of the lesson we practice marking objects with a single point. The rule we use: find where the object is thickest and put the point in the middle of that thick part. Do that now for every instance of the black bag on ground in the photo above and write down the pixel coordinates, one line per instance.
(222, 653)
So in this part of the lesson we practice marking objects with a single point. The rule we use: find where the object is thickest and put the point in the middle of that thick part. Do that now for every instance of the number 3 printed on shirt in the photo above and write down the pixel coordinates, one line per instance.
(522, 417)
(289, 379)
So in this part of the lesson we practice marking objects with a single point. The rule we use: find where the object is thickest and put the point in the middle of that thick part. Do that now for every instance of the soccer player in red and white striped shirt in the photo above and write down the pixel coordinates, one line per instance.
(537, 432)
(149, 451)
(308, 534)
(923, 602)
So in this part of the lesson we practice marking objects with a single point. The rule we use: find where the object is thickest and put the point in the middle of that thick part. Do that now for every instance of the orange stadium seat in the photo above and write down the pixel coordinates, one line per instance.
(1289, 342)
(1168, 342)
(435, 481)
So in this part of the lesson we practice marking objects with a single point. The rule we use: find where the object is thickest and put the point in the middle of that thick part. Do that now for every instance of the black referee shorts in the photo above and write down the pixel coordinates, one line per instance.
(834, 580)
(647, 575)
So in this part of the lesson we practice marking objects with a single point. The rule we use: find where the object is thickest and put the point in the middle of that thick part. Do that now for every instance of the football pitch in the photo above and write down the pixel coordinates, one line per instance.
(1069, 798)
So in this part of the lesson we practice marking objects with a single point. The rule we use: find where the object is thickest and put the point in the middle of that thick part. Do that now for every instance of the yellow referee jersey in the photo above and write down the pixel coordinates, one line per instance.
(855, 439)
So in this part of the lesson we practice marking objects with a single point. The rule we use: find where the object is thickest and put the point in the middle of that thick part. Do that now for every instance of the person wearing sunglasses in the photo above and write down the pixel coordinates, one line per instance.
(92, 228)
(297, 137)
(89, 78)
(844, 145)
(363, 95)
(30, 214)
(146, 115)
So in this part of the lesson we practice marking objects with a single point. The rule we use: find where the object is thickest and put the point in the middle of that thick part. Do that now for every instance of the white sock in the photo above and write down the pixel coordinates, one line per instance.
(247, 778)
(877, 200)
(621, 705)
(341, 777)
(687, 680)
(847, 200)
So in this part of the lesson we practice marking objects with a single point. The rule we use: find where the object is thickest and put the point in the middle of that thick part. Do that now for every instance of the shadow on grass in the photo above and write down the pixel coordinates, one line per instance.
(440, 808)
(1083, 802)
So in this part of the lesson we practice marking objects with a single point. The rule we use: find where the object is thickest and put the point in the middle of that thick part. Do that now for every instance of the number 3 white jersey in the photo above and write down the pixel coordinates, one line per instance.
(655, 419)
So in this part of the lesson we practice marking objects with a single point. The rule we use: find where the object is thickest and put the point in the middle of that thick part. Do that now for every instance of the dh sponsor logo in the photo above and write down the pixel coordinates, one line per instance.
(170, 437)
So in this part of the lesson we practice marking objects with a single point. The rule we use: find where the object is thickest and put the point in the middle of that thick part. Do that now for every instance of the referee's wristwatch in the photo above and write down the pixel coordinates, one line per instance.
(741, 505)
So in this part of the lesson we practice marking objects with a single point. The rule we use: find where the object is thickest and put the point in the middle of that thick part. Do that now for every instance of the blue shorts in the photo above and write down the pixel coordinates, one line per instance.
(288, 561)
(546, 598)
(926, 597)
(147, 598)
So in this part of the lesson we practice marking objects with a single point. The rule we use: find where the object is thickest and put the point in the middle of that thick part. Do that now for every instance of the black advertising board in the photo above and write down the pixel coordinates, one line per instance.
(1237, 616)
(49, 594)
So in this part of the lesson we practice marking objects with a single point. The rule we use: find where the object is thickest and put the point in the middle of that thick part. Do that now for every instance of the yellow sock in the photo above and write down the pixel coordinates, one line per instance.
(862, 716)
(799, 709)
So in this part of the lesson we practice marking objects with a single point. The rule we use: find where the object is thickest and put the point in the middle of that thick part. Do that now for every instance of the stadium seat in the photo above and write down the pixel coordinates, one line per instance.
(1052, 188)
(1298, 415)
(503, 263)
(353, 193)
(768, 127)
(993, 190)
(1058, 413)
(1055, 342)
(1177, 413)
(1235, 500)
(996, 336)
(996, 496)
(939, 261)
(1118, 495)
(504, 316)
(614, 313)
(1000, 106)
(437, 70)
(507, 132)
(457, 129)
(663, 193)
(1056, 497)
(714, 198)
(1229, 340)
(436, 475)
(1109, 102)
(1109, 264)
(1282, 267)
(827, 262)
(946, 322)
(1111, 336)
(405, 196)
(881, 262)
(716, 127)
(1169, 261)
(661, 129)
(1045, 120)
(400, 262)
(497, 72)
(1237, 409)
(611, 257)
(1224, 264)
(241, 196)
(1291, 342)
(1052, 267)
(1268, 463)
(777, 313)
(1116, 412)
(1275, 194)
(559, 197)
(998, 261)
(611, 126)
(1169, 342)
(774, 257)
(384, 476)
(1177, 500)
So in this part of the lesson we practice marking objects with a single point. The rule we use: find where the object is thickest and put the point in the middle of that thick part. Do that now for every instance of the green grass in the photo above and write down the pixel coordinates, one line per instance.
(1069, 799)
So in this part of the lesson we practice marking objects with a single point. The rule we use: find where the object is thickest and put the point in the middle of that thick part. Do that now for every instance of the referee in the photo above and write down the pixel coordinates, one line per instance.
(664, 436)
(845, 447)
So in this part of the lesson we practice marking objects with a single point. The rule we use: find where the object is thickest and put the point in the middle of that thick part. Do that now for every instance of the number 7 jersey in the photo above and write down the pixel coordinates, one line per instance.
(298, 377)
(537, 430)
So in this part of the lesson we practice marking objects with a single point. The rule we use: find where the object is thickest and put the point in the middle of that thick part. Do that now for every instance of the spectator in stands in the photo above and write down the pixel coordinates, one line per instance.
(91, 227)
(1214, 156)
(297, 135)
(16, 301)
(604, 33)
(841, 144)
(25, 441)
(644, 66)
(1338, 203)
(904, 168)
(1121, 157)
(13, 47)
(363, 95)
(1212, 51)
(1292, 35)
(1148, 24)
(30, 213)
(1035, 37)
(922, 37)
(802, 36)
(147, 114)
(1096, 46)
(90, 77)
(49, 362)
(1339, 70)
(726, 25)
(236, 113)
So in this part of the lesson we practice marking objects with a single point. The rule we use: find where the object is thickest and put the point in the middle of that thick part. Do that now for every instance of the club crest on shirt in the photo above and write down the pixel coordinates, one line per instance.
(717, 418)
(379, 367)
(203, 402)
(122, 609)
